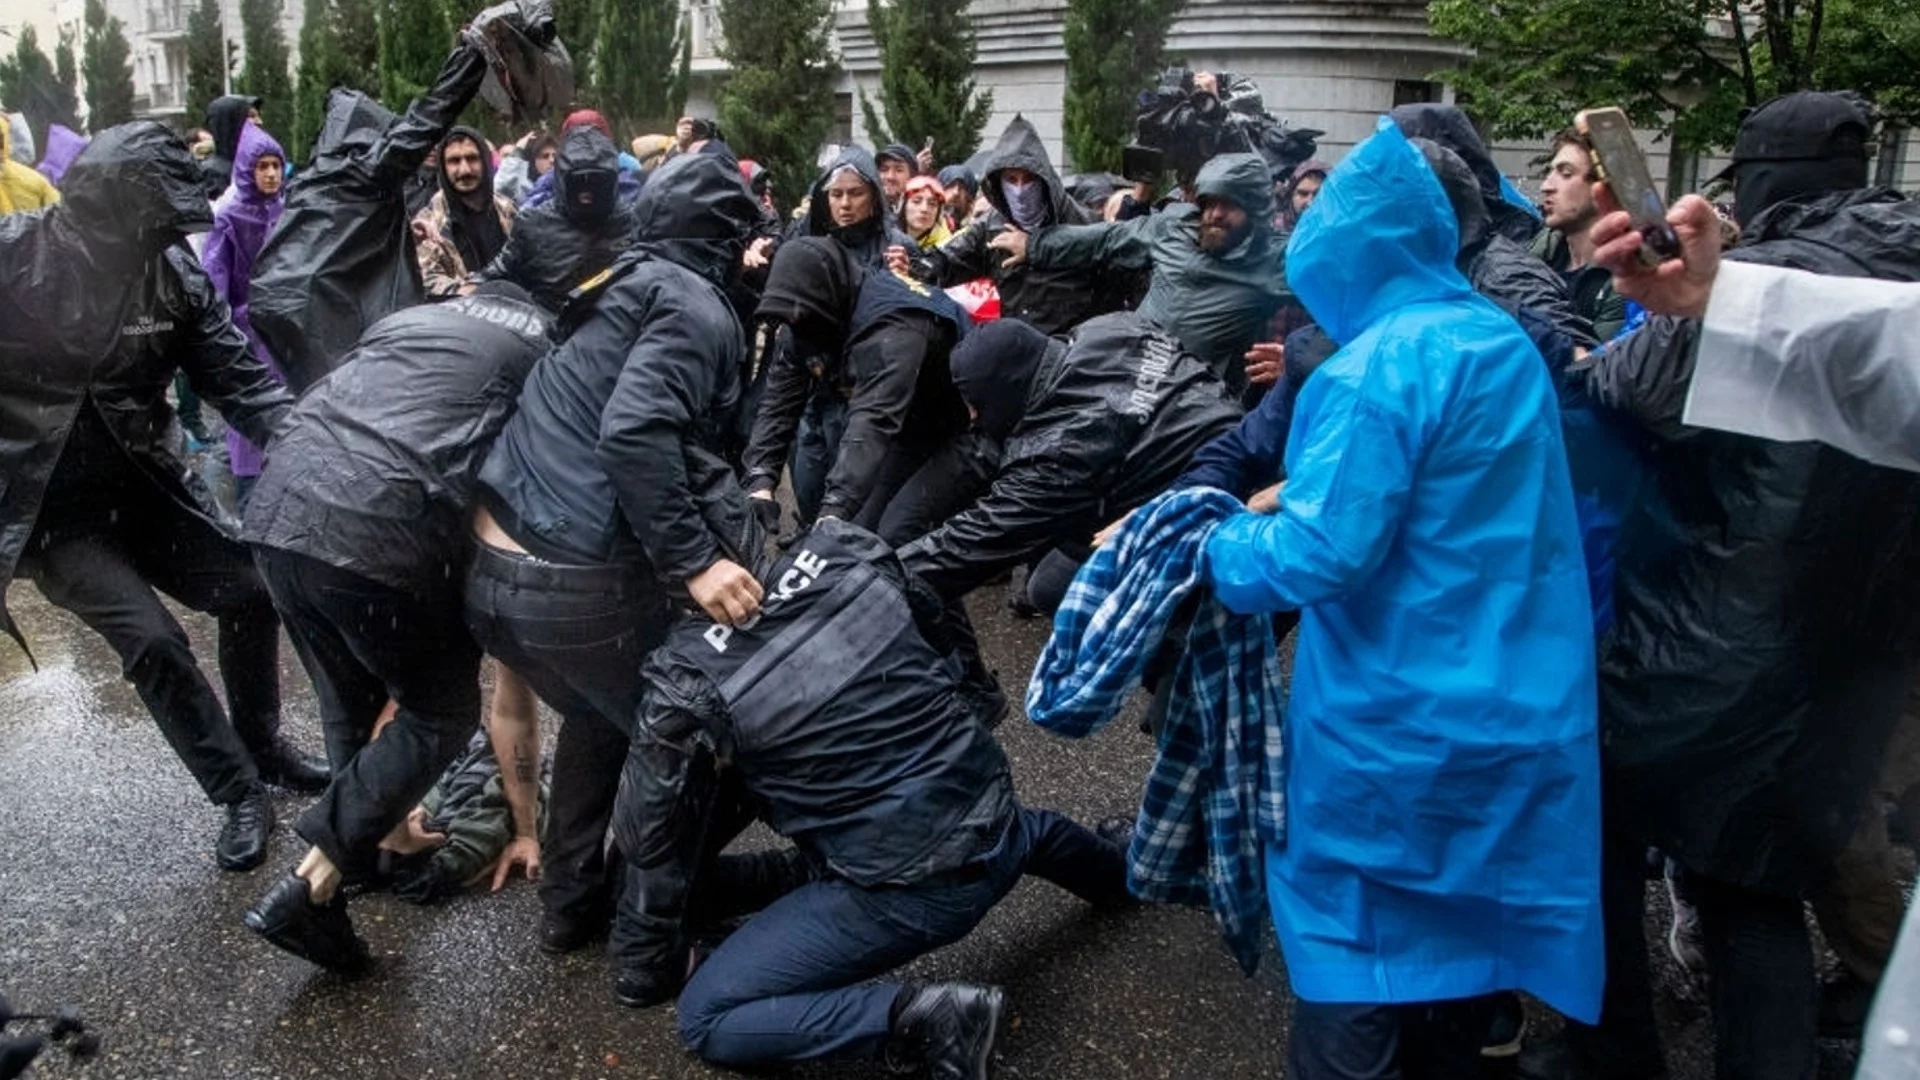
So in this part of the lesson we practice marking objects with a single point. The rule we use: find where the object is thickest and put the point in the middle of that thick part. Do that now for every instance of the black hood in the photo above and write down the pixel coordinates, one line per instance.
(820, 216)
(587, 167)
(994, 367)
(697, 211)
(354, 123)
(225, 117)
(1448, 126)
(900, 151)
(1020, 148)
(1760, 186)
(1463, 191)
(136, 180)
(812, 286)
(455, 134)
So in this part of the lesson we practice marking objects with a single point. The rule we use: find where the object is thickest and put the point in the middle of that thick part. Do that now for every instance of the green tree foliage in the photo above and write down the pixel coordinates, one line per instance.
(206, 58)
(1115, 50)
(642, 50)
(926, 77)
(107, 66)
(265, 72)
(415, 37)
(339, 46)
(66, 76)
(1684, 68)
(575, 21)
(777, 105)
(30, 84)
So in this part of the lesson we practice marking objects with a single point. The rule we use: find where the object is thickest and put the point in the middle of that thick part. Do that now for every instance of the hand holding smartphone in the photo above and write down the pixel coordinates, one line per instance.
(1621, 166)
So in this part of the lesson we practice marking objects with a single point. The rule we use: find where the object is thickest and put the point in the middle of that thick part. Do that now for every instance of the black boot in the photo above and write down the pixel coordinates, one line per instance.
(948, 1027)
(317, 933)
(243, 839)
(284, 767)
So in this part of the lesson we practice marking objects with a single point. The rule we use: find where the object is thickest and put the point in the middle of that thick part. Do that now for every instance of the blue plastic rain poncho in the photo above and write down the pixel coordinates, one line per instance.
(1444, 800)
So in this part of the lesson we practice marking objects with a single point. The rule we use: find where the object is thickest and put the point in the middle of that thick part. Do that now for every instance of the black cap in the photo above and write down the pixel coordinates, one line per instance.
(1810, 125)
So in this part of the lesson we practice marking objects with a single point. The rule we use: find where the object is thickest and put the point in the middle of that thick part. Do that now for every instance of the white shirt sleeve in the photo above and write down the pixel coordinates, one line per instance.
(1793, 356)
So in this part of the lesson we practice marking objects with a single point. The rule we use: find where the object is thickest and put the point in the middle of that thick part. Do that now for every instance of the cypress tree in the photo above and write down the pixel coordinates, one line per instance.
(414, 39)
(777, 104)
(339, 46)
(641, 52)
(265, 73)
(106, 62)
(206, 59)
(1115, 49)
(927, 50)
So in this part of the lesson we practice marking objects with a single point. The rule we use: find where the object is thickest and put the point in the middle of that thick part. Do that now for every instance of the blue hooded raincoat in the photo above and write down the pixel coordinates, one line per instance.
(1443, 795)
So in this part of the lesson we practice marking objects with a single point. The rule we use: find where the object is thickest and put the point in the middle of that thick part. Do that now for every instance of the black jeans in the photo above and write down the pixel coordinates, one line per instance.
(920, 491)
(1437, 1040)
(105, 570)
(791, 984)
(363, 643)
(577, 635)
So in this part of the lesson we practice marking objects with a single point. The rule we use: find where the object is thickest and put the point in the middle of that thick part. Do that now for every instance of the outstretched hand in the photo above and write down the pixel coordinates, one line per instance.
(1678, 287)
(1012, 243)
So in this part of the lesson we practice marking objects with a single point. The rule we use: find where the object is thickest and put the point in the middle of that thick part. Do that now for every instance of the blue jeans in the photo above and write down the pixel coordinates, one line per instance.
(788, 986)
(815, 448)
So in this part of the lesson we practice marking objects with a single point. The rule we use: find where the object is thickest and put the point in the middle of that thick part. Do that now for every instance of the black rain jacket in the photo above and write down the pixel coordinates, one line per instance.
(342, 257)
(1766, 599)
(1497, 267)
(616, 450)
(894, 336)
(1111, 419)
(102, 304)
(550, 254)
(837, 712)
(868, 240)
(226, 115)
(376, 471)
(1055, 299)
(1448, 126)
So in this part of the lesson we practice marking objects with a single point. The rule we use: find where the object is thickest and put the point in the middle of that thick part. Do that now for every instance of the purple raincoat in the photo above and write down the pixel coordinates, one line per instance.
(63, 145)
(242, 218)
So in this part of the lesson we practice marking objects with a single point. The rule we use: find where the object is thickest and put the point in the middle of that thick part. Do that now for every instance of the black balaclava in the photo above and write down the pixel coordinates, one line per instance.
(586, 176)
(1463, 192)
(993, 368)
(1761, 185)
(812, 287)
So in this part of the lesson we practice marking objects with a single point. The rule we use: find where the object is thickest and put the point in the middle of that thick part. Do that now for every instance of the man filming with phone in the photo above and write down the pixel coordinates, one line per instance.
(1755, 607)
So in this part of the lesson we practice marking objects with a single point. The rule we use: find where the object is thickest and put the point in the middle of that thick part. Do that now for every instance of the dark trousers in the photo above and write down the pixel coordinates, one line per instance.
(105, 571)
(363, 643)
(816, 446)
(1762, 990)
(918, 492)
(577, 635)
(1437, 1040)
(791, 984)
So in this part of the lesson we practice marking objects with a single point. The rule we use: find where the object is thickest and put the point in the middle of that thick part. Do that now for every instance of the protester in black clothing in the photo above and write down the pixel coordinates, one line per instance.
(1026, 193)
(342, 257)
(1448, 126)
(848, 204)
(1092, 427)
(360, 527)
(558, 245)
(878, 342)
(104, 304)
(1765, 628)
(837, 715)
(606, 497)
(226, 115)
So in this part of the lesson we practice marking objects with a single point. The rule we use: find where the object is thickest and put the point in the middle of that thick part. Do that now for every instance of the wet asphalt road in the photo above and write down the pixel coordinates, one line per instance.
(110, 899)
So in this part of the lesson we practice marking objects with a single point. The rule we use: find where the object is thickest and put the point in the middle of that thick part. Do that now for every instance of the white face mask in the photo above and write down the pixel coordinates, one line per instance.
(1026, 203)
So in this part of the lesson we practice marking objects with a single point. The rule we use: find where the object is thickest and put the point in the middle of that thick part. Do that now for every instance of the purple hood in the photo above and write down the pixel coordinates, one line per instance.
(63, 145)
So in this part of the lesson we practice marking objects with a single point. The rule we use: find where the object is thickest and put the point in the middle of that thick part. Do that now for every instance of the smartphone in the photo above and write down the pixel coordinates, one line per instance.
(1621, 166)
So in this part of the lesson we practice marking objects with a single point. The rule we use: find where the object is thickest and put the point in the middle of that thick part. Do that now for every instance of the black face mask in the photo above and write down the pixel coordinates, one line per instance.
(589, 195)
(1761, 185)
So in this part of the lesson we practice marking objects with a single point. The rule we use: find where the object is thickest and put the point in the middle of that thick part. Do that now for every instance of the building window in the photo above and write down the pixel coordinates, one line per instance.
(1414, 92)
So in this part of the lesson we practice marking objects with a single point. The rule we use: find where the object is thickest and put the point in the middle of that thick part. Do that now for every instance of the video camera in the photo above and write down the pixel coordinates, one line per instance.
(1179, 126)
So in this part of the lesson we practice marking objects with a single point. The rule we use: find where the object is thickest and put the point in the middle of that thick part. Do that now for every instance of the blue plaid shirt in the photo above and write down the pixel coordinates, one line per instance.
(1216, 793)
